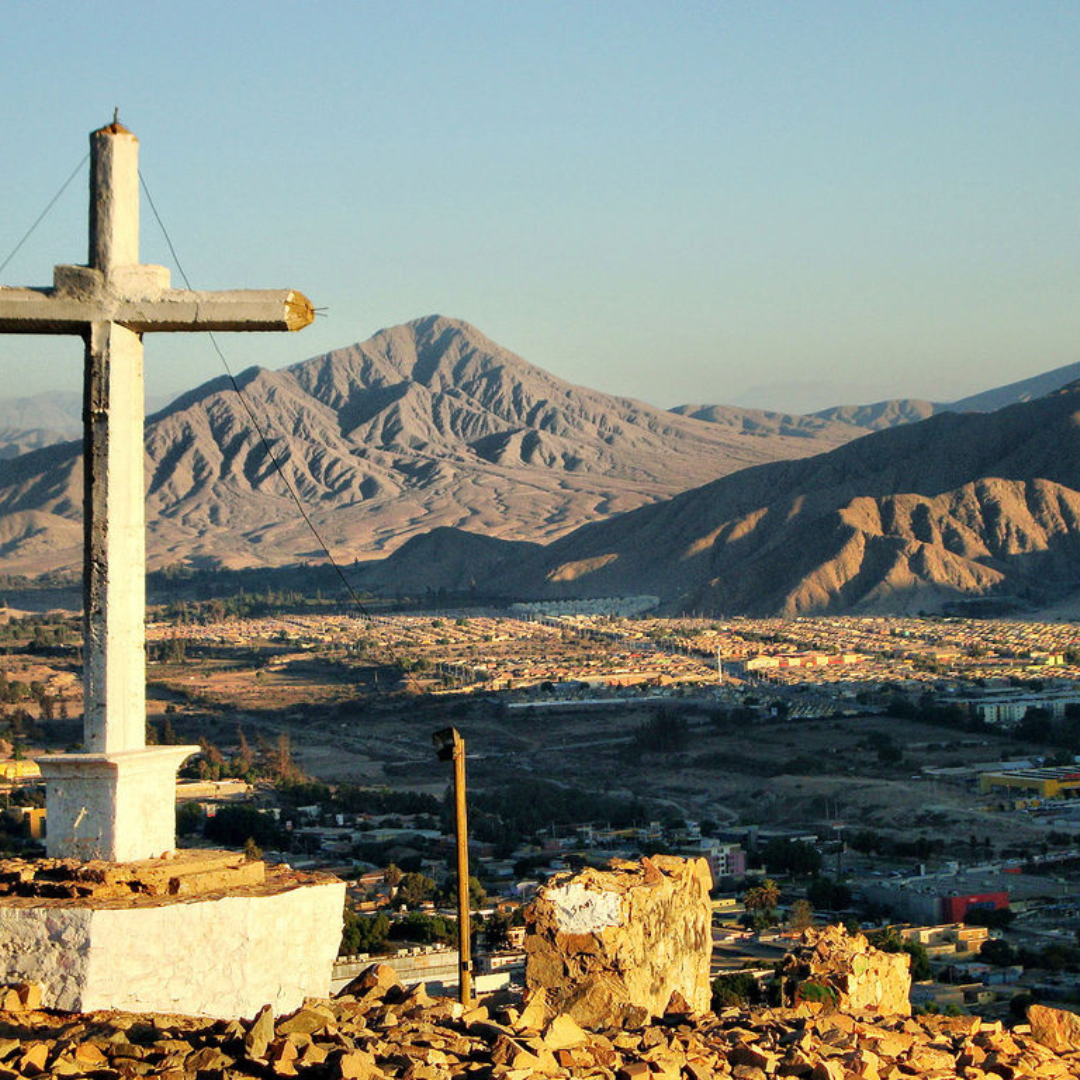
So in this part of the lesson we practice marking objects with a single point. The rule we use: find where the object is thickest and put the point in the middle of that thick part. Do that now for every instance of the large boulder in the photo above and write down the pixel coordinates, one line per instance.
(606, 945)
(844, 970)
(1055, 1028)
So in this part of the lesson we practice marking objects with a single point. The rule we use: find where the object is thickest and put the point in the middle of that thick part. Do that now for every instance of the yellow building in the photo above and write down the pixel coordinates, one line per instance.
(1052, 782)
(21, 769)
(34, 819)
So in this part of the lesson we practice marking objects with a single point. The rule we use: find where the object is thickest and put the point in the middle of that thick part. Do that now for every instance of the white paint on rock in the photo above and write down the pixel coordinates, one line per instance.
(583, 911)
(222, 957)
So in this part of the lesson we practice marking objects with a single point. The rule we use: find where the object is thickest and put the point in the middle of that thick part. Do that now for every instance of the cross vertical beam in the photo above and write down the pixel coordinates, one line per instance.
(114, 598)
(114, 199)
(114, 517)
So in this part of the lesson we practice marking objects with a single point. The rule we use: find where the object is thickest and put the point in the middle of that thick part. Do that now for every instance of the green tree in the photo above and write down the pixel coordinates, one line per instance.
(763, 897)
(497, 930)
(823, 892)
(364, 933)
(738, 989)
(1036, 726)
(888, 753)
(665, 732)
(792, 857)
(189, 819)
(414, 889)
(995, 918)
(426, 929)
(168, 735)
(1019, 1005)
(802, 915)
(234, 825)
(997, 952)
(477, 894)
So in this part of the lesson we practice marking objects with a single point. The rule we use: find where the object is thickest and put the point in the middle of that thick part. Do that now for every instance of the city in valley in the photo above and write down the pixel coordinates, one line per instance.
(914, 776)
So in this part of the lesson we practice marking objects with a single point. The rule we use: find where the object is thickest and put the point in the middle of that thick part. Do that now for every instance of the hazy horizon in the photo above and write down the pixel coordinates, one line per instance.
(797, 397)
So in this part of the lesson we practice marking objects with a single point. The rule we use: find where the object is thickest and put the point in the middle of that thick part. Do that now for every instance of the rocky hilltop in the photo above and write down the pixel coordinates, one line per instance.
(424, 425)
(616, 988)
(379, 1030)
(906, 519)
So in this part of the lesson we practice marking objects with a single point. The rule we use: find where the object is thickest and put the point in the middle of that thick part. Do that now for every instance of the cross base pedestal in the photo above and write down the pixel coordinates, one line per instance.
(222, 953)
(120, 807)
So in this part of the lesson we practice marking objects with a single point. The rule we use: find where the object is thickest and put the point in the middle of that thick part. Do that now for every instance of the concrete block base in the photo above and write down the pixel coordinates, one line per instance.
(119, 806)
(222, 955)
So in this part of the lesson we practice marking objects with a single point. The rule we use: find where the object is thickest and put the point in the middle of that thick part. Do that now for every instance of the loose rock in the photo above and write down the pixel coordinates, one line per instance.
(602, 942)
(844, 971)
(1054, 1028)
(409, 1040)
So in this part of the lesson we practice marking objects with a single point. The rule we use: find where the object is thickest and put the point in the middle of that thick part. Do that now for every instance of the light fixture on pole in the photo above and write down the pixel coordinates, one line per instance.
(450, 746)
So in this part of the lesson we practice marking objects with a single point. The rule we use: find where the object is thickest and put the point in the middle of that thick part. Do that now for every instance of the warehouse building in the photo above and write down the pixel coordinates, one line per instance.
(1048, 782)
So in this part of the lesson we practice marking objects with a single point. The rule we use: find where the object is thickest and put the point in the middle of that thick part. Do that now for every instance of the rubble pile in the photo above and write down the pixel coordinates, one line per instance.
(602, 945)
(844, 970)
(380, 1030)
(613, 944)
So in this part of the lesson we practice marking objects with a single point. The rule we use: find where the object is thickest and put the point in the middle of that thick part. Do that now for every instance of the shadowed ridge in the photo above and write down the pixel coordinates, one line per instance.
(36, 466)
(910, 517)
(444, 558)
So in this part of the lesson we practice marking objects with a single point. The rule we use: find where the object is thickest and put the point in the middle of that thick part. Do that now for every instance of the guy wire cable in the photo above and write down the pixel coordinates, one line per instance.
(41, 217)
(263, 438)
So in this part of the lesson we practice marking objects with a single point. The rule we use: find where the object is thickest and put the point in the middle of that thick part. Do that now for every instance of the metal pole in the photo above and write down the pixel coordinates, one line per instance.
(464, 920)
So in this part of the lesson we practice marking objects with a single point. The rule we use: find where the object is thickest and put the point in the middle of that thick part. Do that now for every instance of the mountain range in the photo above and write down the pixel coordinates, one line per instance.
(914, 518)
(895, 411)
(29, 423)
(424, 425)
(478, 466)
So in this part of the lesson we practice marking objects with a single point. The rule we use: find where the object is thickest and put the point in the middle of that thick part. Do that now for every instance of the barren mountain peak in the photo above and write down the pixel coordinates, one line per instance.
(430, 425)
(425, 424)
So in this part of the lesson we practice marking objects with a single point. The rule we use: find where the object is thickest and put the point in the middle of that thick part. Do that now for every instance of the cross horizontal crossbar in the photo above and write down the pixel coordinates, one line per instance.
(49, 311)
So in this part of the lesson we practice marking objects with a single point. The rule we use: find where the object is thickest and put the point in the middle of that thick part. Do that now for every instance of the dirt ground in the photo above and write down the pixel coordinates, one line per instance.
(812, 774)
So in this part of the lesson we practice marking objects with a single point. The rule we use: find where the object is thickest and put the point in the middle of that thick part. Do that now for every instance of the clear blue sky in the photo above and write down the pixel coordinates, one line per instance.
(675, 201)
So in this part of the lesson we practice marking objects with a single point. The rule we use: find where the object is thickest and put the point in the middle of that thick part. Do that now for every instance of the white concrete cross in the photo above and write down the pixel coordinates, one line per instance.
(117, 800)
